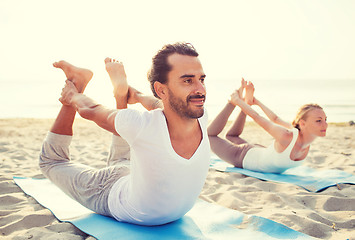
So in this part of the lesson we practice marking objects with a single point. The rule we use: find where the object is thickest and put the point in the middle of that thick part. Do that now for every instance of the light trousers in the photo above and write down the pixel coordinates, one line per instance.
(89, 186)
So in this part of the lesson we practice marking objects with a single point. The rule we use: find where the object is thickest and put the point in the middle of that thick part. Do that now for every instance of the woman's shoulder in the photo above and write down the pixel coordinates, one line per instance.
(288, 135)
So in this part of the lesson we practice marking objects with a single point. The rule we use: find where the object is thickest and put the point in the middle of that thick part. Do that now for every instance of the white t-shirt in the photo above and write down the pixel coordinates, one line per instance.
(162, 185)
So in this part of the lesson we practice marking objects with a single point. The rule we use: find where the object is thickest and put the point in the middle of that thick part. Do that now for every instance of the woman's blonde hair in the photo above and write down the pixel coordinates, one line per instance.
(303, 112)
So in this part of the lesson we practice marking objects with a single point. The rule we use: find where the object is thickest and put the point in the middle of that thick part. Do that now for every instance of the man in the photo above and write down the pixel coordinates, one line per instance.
(168, 148)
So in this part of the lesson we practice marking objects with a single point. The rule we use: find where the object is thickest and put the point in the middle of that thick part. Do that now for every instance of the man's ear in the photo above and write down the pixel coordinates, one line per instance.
(160, 89)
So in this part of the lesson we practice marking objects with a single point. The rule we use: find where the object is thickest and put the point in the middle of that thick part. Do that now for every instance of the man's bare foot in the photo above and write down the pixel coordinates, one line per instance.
(249, 93)
(115, 70)
(79, 76)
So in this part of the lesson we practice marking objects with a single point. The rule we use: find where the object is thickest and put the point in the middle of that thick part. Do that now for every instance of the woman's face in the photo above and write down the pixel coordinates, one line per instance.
(316, 122)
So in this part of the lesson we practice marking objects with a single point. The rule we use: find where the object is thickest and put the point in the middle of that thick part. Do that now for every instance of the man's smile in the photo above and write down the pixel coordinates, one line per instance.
(197, 99)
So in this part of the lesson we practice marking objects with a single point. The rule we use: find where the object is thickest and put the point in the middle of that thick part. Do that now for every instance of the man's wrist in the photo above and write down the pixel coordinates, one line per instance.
(232, 103)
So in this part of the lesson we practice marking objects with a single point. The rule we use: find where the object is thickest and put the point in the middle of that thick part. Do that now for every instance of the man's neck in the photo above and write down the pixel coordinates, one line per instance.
(180, 127)
(185, 134)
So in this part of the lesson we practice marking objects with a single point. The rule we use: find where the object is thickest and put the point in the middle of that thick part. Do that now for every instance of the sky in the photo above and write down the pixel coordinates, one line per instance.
(254, 39)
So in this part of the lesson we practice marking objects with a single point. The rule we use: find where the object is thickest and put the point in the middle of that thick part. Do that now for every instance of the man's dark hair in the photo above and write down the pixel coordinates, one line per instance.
(160, 66)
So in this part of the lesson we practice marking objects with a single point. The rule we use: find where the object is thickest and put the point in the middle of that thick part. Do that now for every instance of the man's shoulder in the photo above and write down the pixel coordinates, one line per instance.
(132, 122)
(145, 116)
(140, 112)
(152, 114)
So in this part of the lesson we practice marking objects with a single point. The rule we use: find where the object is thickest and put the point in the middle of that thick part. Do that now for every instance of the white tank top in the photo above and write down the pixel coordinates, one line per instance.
(268, 160)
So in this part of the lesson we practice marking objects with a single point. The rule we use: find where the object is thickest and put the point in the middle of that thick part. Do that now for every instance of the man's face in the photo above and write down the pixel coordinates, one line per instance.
(186, 87)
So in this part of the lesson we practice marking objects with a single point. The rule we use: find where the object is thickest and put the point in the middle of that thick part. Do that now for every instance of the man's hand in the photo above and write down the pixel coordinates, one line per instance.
(68, 93)
(133, 95)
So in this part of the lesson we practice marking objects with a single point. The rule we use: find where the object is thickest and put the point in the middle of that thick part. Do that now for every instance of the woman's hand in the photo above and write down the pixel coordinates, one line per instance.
(235, 98)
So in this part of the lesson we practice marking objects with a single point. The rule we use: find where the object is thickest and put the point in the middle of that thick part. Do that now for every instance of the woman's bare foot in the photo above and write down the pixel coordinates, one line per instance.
(115, 70)
(249, 93)
(242, 87)
(79, 76)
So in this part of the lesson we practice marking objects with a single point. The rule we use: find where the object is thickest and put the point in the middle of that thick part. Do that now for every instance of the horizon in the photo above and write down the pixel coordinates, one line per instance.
(282, 40)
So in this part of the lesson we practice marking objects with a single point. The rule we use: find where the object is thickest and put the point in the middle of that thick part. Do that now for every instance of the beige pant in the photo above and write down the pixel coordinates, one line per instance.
(87, 185)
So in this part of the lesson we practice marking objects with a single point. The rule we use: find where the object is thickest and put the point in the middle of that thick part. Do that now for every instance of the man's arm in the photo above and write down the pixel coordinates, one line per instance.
(148, 102)
(88, 108)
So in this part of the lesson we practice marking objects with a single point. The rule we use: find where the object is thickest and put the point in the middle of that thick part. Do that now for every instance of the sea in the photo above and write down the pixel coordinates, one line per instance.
(39, 99)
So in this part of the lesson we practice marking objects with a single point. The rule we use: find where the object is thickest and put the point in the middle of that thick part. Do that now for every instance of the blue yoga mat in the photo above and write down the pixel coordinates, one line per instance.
(310, 179)
(203, 221)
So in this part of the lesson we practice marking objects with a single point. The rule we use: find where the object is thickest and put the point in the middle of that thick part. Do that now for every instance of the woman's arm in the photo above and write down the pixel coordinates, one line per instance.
(281, 134)
(271, 115)
(218, 124)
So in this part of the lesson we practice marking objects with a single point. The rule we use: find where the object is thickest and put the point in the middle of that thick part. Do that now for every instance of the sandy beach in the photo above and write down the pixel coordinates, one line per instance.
(329, 214)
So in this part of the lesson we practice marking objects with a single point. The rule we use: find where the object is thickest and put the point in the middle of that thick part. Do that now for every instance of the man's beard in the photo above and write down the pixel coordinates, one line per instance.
(182, 107)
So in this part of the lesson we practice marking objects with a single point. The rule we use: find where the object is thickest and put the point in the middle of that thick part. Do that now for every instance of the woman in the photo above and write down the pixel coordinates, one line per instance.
(291, 141)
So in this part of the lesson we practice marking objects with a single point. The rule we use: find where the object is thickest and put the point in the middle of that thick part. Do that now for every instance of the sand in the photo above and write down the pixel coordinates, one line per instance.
(329, 214)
